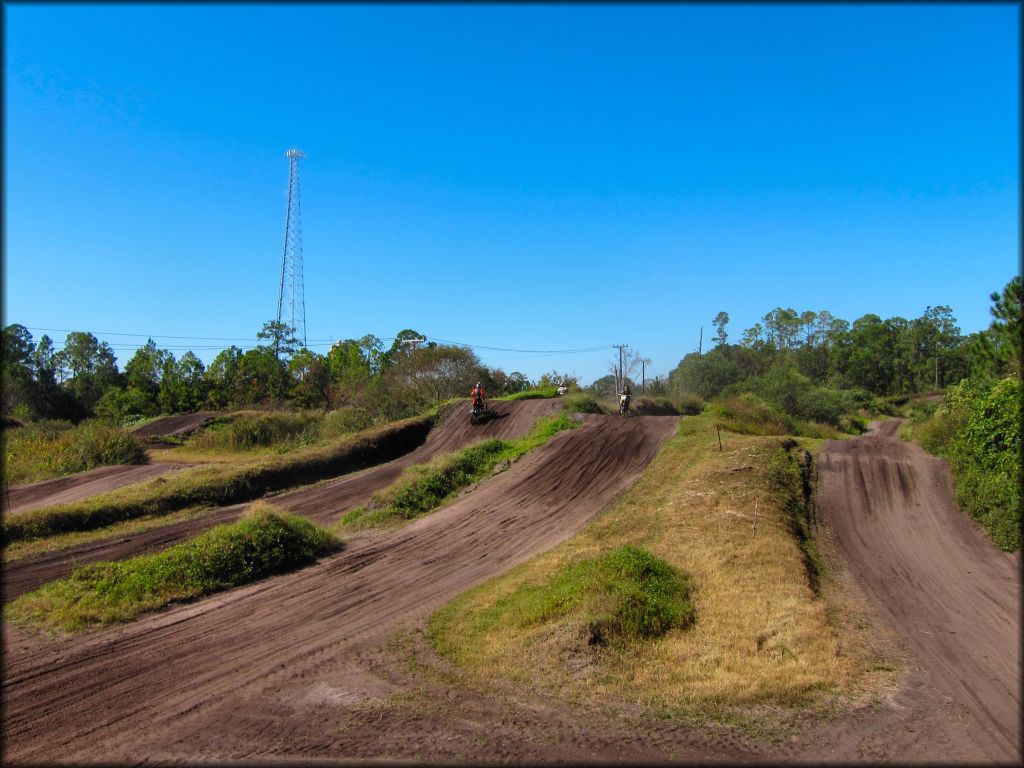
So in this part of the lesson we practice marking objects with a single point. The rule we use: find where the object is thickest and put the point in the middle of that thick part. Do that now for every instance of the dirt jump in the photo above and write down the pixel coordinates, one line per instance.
(175, 426)
(247, 674)
(323, 503)
(302, 668)
(82, 485)
(952, 597)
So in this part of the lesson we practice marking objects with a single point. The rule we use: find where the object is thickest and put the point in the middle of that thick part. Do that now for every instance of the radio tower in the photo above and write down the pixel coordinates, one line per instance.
(291, 298)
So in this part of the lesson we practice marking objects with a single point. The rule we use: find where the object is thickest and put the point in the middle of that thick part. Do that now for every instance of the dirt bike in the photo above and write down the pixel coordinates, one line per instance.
(478, 412)
(624, 404)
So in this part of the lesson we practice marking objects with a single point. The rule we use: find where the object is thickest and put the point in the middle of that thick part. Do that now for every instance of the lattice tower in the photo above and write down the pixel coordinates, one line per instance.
(291, 298)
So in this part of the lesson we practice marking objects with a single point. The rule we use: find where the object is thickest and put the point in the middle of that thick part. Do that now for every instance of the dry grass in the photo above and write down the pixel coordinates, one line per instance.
(761, 637)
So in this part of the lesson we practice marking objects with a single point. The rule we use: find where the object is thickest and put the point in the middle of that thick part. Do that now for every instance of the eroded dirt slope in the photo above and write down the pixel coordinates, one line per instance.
(323, 502)
(247, 674)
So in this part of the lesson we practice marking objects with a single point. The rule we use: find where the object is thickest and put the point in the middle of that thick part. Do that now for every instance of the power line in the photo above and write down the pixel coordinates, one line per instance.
(525, 351)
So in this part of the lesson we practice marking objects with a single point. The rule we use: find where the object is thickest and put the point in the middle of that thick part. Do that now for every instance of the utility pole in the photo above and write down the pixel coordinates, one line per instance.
(700, 341)
(414, 342)
(291, 260)
(620, 379)
(643, 375)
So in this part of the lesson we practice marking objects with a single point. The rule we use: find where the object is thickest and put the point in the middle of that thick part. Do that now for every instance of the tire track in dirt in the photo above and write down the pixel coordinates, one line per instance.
(322, 502)
(948, 591)
(64, 490)
(237, 676)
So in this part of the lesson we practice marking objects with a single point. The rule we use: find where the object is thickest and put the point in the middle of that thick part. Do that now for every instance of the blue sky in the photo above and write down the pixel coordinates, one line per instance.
(527, 177)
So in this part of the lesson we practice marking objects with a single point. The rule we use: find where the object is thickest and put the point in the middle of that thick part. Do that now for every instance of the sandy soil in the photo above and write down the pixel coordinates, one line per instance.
(82, 485)
(323, 503)
(305, 667)
(952, 597)
(247, 674)
(168, 426)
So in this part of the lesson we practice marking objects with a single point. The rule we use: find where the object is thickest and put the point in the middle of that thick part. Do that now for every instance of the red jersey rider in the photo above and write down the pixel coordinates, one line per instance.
(477, 394)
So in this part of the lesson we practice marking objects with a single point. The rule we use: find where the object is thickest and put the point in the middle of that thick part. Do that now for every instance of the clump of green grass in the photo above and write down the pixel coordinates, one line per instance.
(578, 402)
(261, 430)
(749, 414)
(425, 487)
(627, 594)
(51, 449)
(654, 406)
(263, 543)
(220, 485)
(344, 421)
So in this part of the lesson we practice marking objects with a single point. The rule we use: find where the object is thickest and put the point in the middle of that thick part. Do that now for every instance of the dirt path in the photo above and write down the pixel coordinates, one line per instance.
(168, 426)
(323, 502)
(82, 485)
(950, 594)
(264, 671)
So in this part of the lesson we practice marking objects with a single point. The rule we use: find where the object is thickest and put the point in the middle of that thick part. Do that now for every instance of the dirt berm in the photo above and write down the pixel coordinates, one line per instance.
(243, 675)
(323, 502)
(952, 597)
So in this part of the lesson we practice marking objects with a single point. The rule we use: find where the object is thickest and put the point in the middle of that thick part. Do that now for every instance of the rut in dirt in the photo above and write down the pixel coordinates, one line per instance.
(322, 503)
(936, 578)
(198, 677)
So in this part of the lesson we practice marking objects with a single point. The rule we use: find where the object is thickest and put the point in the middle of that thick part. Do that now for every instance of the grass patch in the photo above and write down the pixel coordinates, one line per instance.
(50, 449)
(425, 487)
(221, 485)
(263, 543)
(246, 431)
(748, 414)
(763, 639)
(580, 402)
(654, 406)
(622, 595)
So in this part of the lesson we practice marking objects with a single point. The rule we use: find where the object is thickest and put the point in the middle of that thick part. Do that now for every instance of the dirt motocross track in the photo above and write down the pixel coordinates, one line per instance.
(298, 667)
(323, 502)
(228, 677)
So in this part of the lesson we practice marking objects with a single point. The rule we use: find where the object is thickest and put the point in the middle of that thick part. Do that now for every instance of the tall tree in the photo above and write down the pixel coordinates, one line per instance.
(89, 367)
(721, 335)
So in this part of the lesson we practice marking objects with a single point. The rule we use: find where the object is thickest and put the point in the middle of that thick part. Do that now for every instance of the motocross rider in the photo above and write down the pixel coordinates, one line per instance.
(478, 395)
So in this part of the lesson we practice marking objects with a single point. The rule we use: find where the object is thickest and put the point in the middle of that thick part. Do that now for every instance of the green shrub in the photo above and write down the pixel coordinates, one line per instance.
(689, 405)
(245, 432)
(578, 402)
(749, 414)
(977, 429)
(653, 406)
(48, 449)
(344, 421)
(622, 595)
(262, 543)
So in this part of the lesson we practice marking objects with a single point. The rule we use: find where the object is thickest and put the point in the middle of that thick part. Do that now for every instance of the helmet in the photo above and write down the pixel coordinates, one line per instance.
(478, 383)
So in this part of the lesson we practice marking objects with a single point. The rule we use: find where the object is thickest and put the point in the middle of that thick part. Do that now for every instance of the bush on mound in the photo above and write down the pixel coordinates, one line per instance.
(262, 543)
(627, 594)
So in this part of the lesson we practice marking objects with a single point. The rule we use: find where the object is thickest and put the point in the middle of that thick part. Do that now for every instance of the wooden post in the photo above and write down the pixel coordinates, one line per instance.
(719, 430)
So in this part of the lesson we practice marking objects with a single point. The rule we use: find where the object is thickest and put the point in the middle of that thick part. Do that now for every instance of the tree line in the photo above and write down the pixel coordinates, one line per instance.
(82, 379)
(800, 360)
(790, 350)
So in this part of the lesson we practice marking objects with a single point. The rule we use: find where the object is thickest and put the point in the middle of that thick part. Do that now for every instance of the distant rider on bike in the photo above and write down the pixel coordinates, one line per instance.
(626, 396)
(478, 395)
